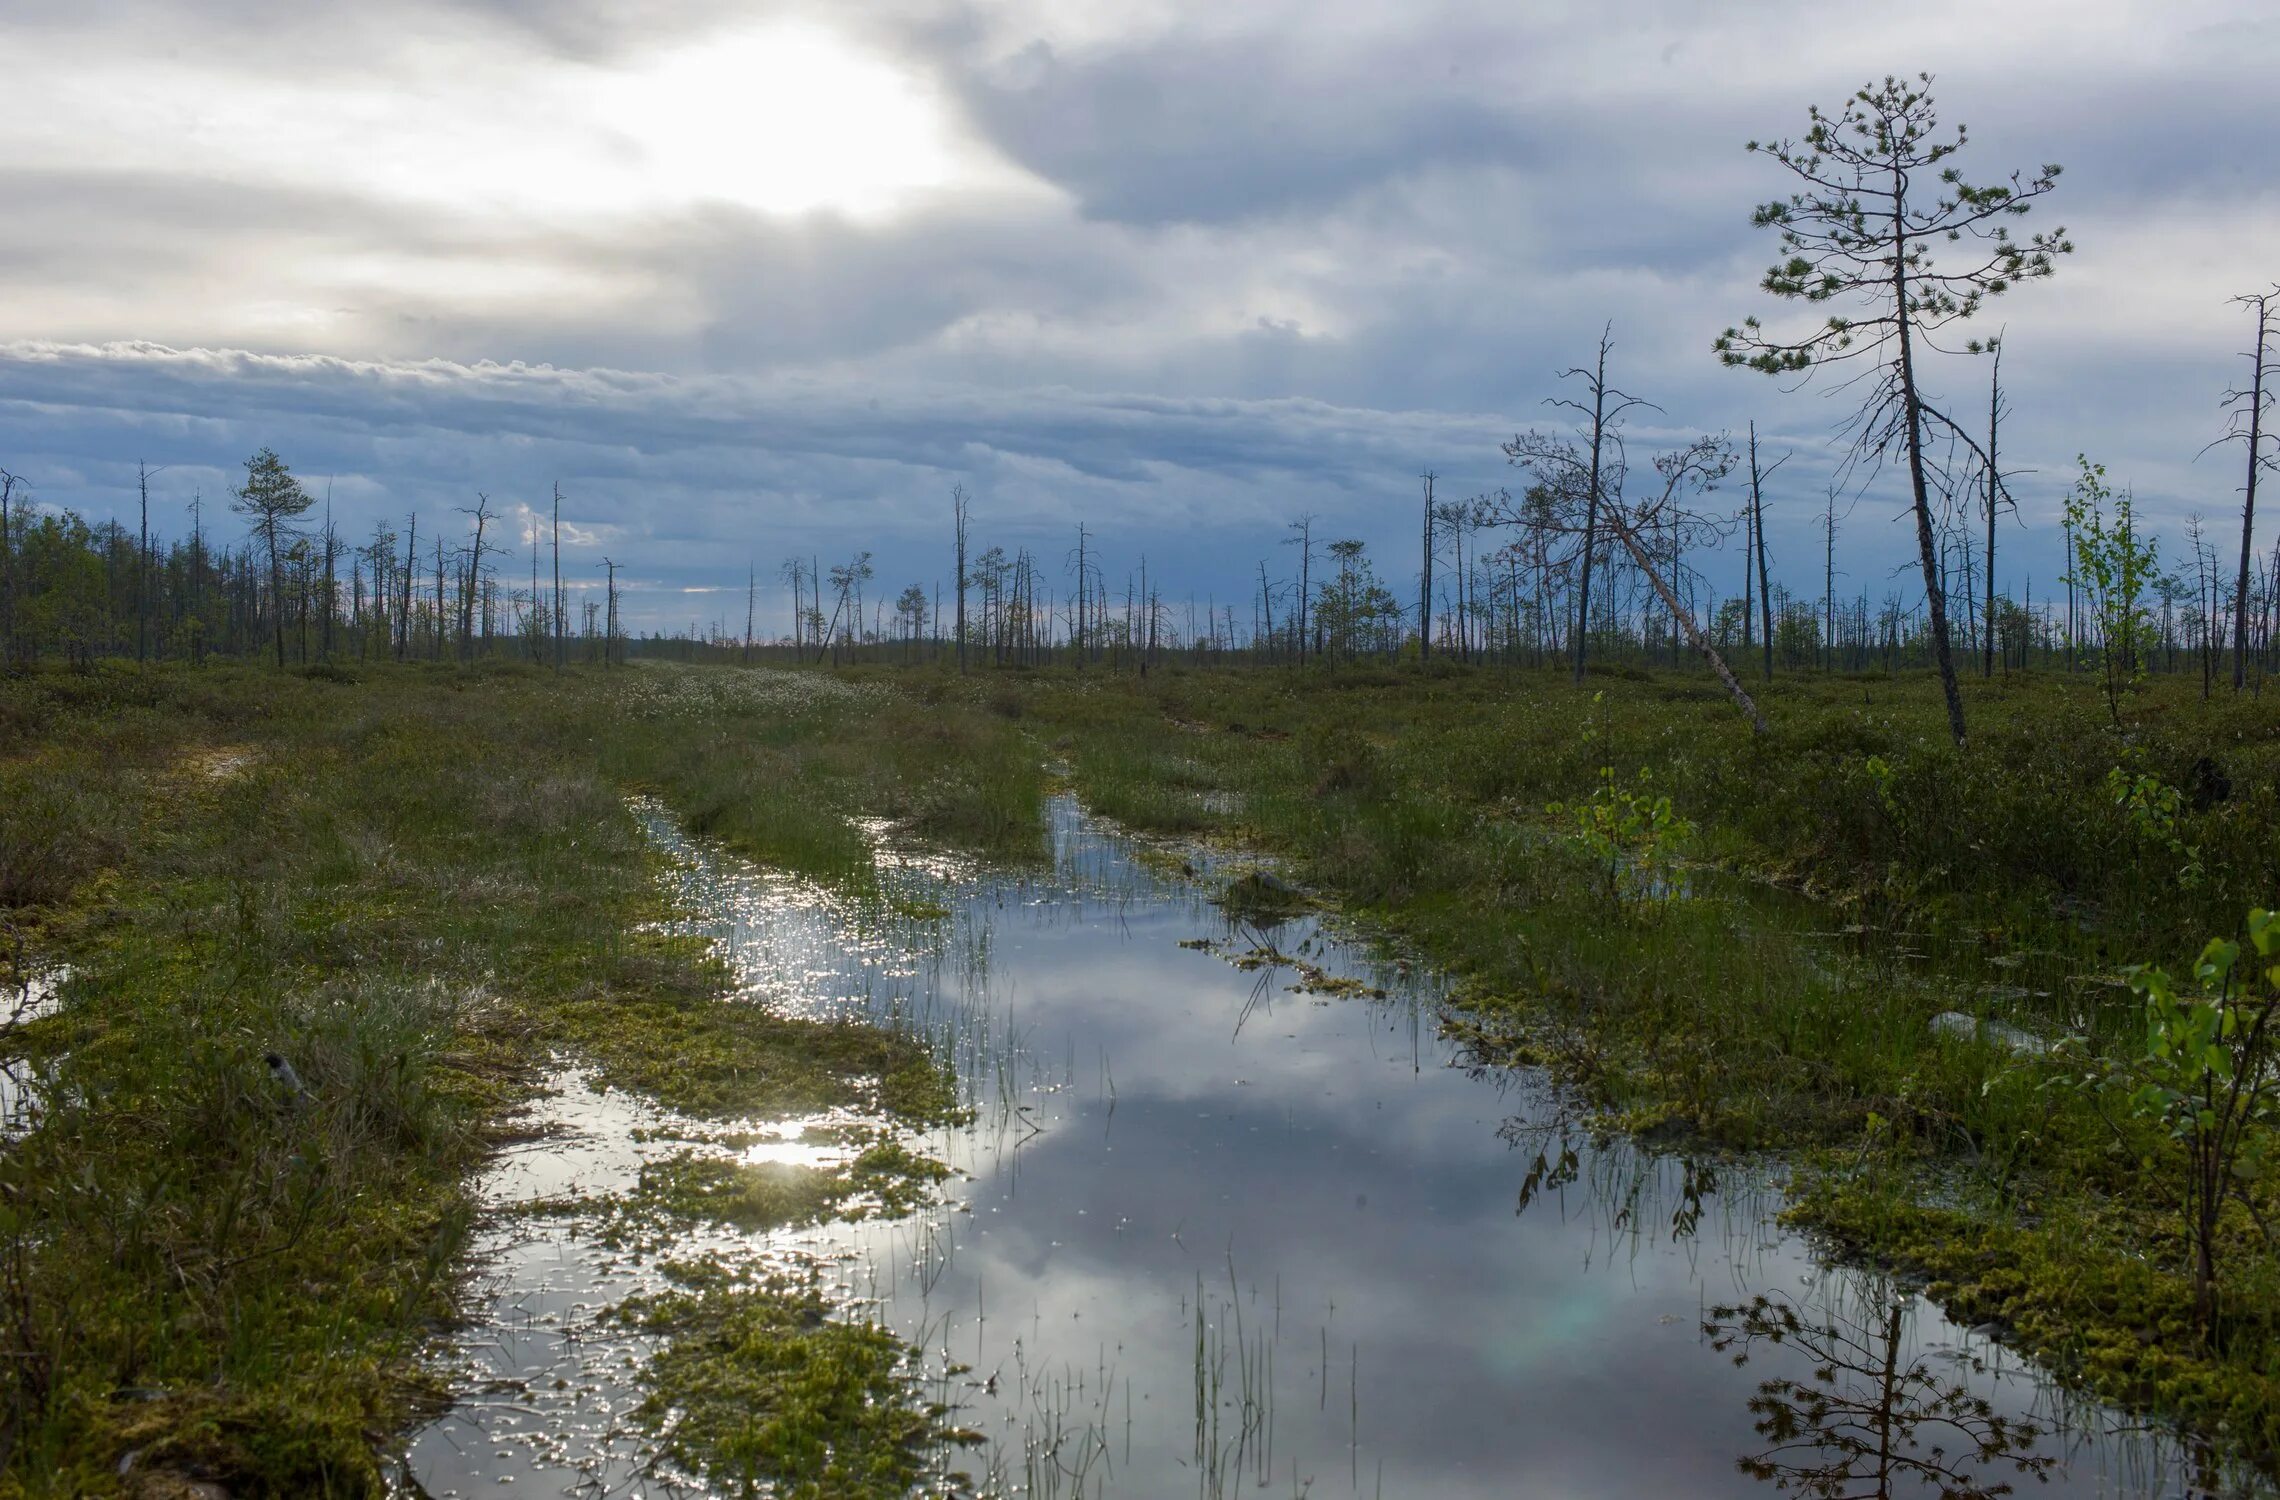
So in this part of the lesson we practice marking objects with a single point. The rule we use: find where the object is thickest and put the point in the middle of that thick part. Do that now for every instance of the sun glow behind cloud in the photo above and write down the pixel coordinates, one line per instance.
(785, 119)
(1393, 210)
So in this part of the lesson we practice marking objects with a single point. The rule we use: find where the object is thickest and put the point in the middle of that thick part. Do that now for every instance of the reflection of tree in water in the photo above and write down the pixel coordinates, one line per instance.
(1866, 1425)
(1629, 1187)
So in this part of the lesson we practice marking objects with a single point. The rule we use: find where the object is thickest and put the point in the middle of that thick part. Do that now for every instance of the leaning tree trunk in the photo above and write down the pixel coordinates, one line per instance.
(1757, 530)
(1685, 619)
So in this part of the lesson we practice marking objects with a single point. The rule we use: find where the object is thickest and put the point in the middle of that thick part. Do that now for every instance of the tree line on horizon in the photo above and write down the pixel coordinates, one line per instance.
(1589, 555)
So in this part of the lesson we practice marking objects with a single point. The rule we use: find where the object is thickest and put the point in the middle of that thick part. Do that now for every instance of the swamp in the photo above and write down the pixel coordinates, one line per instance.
(994, 748)
(687, 1079)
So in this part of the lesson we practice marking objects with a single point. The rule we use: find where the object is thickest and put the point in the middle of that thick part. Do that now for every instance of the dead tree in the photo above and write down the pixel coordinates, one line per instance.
(1757, 543)
(1304, 542)
(1595, 464)
(1425, 583)
(751, 598)
(609, 639)
(9, 484)
(2245, 409)
(959, 505)
(404, 609)
(1664, 518)
(143, 472)
(561, 646)
(1997, 494)
(332, 578)
(481, 512)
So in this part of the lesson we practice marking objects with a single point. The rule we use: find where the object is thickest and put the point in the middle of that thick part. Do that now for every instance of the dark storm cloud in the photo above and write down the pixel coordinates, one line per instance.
(694, 474)
(1230, 130)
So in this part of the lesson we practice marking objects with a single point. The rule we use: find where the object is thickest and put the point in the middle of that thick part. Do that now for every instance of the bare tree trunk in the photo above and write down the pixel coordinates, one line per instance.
(1591, 503)
(1425, 588)
(276, 590)
(142, 564)
(1994, 497)
(442, 625)
(482, 515)
(332, 550)
(1685, 619)
(7, 569)
(404, 620)
(958, 507)
(557, 613)
(1927, 546)
(2248, 509)
(1757, 517)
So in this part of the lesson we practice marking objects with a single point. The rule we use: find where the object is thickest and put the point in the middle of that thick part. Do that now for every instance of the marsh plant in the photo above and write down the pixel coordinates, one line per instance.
(2206, 1079)
(2151, 806)
(1632, 837)
(1885, 779)
(2115, 570)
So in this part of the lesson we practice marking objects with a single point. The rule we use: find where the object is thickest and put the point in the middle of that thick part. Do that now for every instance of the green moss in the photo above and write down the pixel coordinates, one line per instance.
(1262, 898)
(885, 1179)
(760, 1391)
(748, 1195)
(417, 888)
(891, 1179)
(2073, 1289)
(672, 1036)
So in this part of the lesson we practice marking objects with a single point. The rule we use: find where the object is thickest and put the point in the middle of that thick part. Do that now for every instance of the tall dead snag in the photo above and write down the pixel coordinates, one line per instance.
(1758, 478)
(1304, 542)
(1083, 624)
(8, 486)
(609, 640)
(142, 564)
(958, 507)
(1879, 197)
(1606, 412)
(751, 598)
(1425, 581)
(1589, 467)
(2246, 407)
(404, 610)
(1996, 496)
(480, 513)
(559, 622)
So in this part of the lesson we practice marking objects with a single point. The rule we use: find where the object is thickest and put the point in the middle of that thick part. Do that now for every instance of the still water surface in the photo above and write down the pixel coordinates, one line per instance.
(1223, 1229)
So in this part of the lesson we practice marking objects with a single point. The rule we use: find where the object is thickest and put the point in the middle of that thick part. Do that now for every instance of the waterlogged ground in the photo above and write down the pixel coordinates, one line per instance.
(1231, 1216)
(25, 998)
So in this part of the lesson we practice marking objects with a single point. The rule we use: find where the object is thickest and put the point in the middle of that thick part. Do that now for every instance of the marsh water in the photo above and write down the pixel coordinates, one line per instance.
(1232, 1216)
(24, 1083)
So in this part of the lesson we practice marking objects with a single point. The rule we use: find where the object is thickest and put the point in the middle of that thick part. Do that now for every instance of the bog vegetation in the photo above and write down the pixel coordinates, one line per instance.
(358, 802)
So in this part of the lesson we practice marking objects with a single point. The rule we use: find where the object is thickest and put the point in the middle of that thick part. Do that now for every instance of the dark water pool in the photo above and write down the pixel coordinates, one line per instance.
(1234, 1218)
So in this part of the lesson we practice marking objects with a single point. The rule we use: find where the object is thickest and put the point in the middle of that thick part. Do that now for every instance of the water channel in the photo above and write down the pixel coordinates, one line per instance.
(1232, 1216)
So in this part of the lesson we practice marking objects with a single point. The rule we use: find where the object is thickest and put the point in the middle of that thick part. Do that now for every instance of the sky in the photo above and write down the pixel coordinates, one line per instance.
(758, 280)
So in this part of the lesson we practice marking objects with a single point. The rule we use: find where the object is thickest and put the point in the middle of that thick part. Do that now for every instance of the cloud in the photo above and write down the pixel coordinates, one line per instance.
(693, 475)
(1193, 268)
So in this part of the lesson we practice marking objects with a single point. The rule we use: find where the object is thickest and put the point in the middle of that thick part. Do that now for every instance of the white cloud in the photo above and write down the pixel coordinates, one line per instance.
(770, 281)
